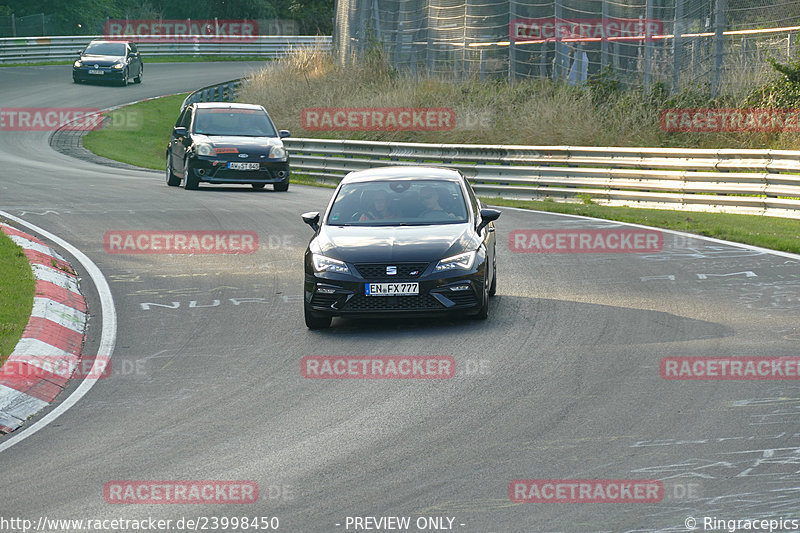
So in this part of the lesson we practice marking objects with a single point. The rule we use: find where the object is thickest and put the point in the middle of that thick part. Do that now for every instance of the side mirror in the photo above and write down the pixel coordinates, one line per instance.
(131, 54)
(179, 132)
(79, 52)
(487, 216)
(283, 134)
(312, 219)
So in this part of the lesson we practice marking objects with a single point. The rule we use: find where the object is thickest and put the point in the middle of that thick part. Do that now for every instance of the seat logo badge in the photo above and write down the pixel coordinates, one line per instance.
(242, 155)
(391, 270)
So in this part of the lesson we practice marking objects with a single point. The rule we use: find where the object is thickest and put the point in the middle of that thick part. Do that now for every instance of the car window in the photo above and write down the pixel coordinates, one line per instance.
(398, 203)
(105, 49)
(476, 204)
(234, 121)
(187, 118)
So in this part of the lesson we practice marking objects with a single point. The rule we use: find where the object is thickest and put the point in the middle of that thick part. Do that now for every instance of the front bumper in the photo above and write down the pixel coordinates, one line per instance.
(454, 292)
(214, 170)
(108, 74)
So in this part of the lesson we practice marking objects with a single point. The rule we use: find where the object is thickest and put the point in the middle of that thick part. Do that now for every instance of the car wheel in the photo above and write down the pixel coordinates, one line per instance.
(172, 179)
(124, 81)
(191, 181)
(138, 79)
(75, 80)
(281, 187)
(257, 185)
(315, 321)
(483, 312)
(493, 287)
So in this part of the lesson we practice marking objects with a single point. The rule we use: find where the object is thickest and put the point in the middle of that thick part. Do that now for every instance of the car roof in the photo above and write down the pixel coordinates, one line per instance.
(93, 41)
(223, 105)
(403, 172)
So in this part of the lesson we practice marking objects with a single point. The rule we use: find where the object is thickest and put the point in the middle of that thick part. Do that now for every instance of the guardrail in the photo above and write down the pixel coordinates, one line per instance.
(762, 182)
(221, 92)
(29, 49)
(754, 182)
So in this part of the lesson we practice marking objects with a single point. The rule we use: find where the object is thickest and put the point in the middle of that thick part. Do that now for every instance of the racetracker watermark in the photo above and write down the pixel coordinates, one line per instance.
(21, 369)
(50, 118)
(585, 491)
(377, 366)
(708, 120)
(377, 119)
(730, 368)
(207, 31)
(585, 241)
(180, 242)
(584, 29)
(160, 492)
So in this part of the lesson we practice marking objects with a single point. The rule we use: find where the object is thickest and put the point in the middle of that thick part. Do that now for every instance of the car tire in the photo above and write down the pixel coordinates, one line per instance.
(493, 286)
(172, 179)
(483, 312)
(315, 321)
(138, 79)
(281, 187)
(124, 81)
(258, 186)
(191, 182)
(75, 80)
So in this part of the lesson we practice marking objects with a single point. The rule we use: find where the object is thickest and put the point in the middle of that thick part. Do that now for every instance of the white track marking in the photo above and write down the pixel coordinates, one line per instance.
(108, 335)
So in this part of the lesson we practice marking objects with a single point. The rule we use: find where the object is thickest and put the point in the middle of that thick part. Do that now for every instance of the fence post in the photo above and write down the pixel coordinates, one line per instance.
(719, 27)
(604, 41)
(512, 48)
(429, 30)
(13, 26)
(677, 46)
(557, 70)
(648, 44)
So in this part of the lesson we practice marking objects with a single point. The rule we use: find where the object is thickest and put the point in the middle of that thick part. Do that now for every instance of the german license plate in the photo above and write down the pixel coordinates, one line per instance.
(93, 71)
(391, 289)
(236, 165)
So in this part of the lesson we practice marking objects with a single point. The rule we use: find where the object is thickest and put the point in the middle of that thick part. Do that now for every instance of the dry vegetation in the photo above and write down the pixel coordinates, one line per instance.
(532, 112)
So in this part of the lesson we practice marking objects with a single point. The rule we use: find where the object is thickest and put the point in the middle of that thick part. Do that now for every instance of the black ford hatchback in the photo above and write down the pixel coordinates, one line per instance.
(216, 142)
(409, 240)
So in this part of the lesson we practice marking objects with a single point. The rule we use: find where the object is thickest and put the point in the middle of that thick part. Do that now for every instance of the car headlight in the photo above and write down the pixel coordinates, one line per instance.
(205, 149)
(118, 66)
(77, 63)
(277, 152)
(329, 264)
(461, 261)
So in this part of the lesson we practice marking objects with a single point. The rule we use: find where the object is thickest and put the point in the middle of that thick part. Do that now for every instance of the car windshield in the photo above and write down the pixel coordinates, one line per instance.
(105, 49)
(406, 202)
(233, 121)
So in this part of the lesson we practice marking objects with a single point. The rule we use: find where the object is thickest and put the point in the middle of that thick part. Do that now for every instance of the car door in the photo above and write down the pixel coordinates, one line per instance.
(488, 235)
(136, 61)
(179, 144)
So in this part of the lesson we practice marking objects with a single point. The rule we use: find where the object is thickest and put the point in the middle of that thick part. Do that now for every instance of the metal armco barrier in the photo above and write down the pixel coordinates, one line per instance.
(222, 92)
(29, 49)
(756, 182)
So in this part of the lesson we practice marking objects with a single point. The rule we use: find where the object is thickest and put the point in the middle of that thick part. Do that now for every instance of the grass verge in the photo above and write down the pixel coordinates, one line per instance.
(145, 148)
(142, 135)
(16, 294)
(767, 232)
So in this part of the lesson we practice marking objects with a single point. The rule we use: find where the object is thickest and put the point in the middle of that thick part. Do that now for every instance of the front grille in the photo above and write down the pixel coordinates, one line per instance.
(377, 271)
(424, 302)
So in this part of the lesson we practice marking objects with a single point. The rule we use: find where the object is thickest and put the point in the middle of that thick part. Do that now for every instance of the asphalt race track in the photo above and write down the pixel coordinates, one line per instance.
(561, 382)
